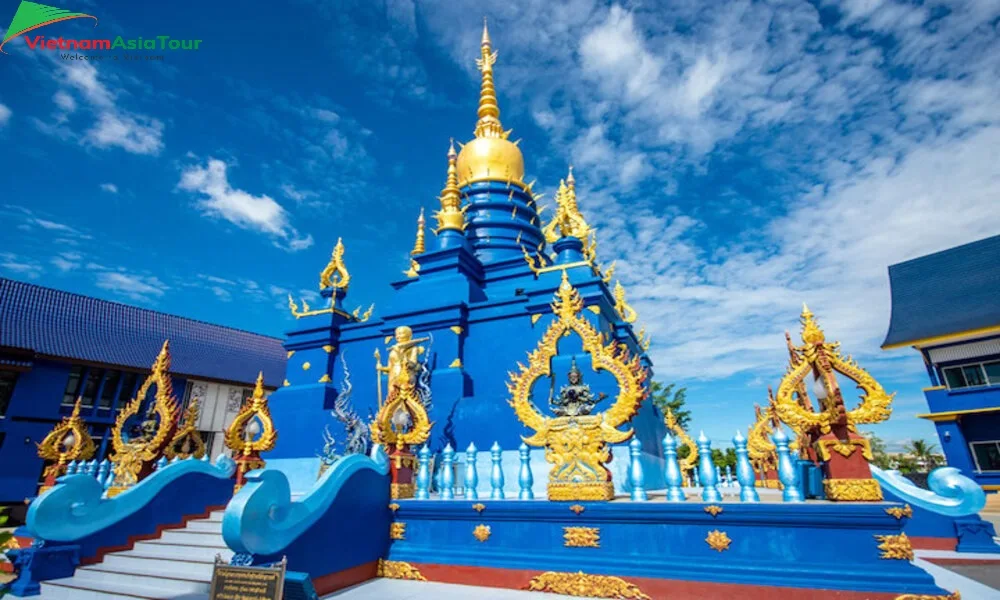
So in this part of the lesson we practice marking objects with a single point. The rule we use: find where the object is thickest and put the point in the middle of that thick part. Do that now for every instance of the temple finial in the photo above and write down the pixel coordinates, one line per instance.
(451, 216)
(418, 244)
(486, 33)
(570, 180)
(258, 390)
(488, 124)
(335, 275)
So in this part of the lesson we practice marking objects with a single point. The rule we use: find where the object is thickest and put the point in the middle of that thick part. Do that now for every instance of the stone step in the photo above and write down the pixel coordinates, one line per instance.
(71, 588)
(204, 525)
(160, 549)
(186, 568)
(216, 515)
(187, 537)
(151, 576)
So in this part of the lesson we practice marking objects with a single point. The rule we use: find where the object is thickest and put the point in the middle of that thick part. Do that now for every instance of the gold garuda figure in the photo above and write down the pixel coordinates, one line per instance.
(250, 433)
(187, 441)
(847, 475)
(136, 447)
(402, 420)
(68, 441)
(575, 441)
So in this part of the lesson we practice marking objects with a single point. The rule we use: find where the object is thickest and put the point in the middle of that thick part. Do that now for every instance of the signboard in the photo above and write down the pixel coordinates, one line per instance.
(230, 582)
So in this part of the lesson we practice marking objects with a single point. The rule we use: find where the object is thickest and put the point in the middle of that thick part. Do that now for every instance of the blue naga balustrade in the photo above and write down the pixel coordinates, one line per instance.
(335, 534)
(949, 511)
(74, 523)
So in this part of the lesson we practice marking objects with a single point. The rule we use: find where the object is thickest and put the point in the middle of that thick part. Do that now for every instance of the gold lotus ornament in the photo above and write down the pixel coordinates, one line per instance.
(251, 432)
(577, 446)
(67, 442)
(187, 441)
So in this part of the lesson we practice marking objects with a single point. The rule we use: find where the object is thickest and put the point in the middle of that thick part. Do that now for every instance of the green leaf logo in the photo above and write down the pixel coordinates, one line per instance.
(31, 15)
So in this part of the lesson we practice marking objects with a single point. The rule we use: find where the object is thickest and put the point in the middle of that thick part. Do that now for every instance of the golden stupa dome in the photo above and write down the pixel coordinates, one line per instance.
(490, 155)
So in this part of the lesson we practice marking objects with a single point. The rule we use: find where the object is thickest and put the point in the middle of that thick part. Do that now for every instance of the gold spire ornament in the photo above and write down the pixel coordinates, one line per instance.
(68, 441)
(452, 215)
(187, 441)
(627, 313)
(335, 274)
(490, 156)
(418, 247)
(135, 449)
(568, 221)
(577, 446)
(833, 426)
(251, 432)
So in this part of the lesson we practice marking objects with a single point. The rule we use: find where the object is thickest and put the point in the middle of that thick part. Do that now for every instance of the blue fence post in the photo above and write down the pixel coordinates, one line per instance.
(729, 477)
(635, 474)
(787, 473)
(423, 491)
(71, 468)
(672, 470)
(525, 480)
(744, 470)
(447, 473)
(695, 479)
(709, 479)
(102, 471)
(161, 463)
(496, 474)
(471, 475)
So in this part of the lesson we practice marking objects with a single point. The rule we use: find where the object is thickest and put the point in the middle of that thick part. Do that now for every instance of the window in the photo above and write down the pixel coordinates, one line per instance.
(3, 436)
(973, 375)
(208, 437)
(93, 383)
(7, 381)
(987, 455)
(109, 389)
(129, 381)
(73, 385)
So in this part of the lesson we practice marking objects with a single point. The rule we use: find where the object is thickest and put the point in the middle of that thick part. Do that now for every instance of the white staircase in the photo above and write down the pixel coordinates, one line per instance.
(177, 566)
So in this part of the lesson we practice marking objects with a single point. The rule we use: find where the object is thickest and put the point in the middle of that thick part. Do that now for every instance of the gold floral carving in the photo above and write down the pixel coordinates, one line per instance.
(582, 585)
(577, 447)
(683, 439)
(325, 378)
(895, 546)
(55, 448)
(952, 596)
(291, 353)
(397, 531)
(478, 507)
(187, 441)
(582, 537)
(713, 510)
(481, 532)
(900, 511)
(718, 540)
(852, 490)
(577, 508)
(393, 507)
(327, 348)
(844, 448)
(457, 330)
(455, 364)
(397, 569)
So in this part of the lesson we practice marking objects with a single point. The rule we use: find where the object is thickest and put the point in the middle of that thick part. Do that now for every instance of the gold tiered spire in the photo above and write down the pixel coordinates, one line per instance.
(451, 216)
(490, 156)
(568, 221)
(418, 247)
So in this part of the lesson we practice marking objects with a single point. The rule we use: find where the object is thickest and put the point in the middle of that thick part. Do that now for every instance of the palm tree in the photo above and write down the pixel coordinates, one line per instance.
(923, 452)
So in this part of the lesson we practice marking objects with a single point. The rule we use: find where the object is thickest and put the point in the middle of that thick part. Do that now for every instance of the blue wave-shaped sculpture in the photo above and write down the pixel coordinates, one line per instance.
(951, 493)
(262, 519)
(74, 509)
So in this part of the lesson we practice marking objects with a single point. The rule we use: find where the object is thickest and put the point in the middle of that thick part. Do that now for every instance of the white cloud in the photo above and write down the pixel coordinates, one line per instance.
(259, 213)
(64, 101)
(140, 288)
(19, 266)
(4, 115)
(67, 261)
(110, 188)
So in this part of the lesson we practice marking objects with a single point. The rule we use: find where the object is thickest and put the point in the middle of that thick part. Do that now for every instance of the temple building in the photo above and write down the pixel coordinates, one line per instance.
(946, 305)
(56, 347)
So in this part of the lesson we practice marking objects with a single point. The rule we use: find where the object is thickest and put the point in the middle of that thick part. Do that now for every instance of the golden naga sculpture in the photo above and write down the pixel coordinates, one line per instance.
(187, 441)
(452, 214)
(833, 427)
(251, 432)
(760, 449)
(136, 448)
(401, 421)
(567, 221)
(627, 313)
(419, 247)
(683, 439)
(490, 156)
(577, 442)
(335, 274)
(68, 441)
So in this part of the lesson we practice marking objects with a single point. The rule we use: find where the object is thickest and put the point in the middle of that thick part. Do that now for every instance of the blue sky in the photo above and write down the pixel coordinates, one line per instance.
(737, 159)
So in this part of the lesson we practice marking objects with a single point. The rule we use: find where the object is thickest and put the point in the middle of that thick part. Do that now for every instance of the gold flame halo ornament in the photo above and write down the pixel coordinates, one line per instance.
(68, 441)
(134, 454)
(577, 446)
(251, 432)
(187, 441)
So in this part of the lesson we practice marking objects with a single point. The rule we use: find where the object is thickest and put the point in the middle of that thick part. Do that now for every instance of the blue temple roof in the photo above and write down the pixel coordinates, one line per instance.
(948, 292)
(62, 324)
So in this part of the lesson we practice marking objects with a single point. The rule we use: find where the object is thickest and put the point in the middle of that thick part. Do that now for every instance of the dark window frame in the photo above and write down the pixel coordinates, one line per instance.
(975, 457)
(5, 401)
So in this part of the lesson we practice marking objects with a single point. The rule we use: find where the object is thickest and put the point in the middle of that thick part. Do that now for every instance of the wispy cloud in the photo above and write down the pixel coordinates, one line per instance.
(109, 187)
(217, 198)
(141, 288)
(67, 261)
(20, 266)
(5, 113)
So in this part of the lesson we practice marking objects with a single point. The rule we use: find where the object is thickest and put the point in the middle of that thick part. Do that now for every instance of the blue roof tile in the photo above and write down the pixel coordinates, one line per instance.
(944, 293)
(56, 323)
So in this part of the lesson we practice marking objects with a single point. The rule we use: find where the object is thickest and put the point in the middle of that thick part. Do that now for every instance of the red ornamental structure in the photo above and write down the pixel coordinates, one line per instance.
(829, 434)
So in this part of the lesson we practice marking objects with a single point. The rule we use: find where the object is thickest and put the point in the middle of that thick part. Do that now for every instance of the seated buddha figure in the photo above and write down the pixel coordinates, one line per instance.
(575, 399)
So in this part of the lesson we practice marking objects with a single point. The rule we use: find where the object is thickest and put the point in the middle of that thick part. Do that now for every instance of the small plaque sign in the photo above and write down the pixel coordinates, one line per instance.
(231, 582)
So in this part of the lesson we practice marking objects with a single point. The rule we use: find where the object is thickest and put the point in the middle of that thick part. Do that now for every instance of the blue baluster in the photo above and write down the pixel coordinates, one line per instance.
(525, 479)
(635, 474)
(694, 477)
(744, 470)
(447, 473)
(161, 463)
(729, 477)
(718, 477)
(71, 468)
(788, 475)
(204, 457)
(102, 472)
(496, 474)
(672, 471)
(423, 474)
(471, 475)
(709, 478)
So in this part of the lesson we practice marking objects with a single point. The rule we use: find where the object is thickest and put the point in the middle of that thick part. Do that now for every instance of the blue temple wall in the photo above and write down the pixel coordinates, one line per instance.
(956, 432)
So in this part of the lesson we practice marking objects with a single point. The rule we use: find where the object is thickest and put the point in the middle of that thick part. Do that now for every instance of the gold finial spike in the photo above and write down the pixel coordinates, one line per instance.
(570, 180)
(806, 313)
(258, 389)
(418, 244)
(811, 332)
(486, 33)
(488, 124)
(162, 362)
(450, 216)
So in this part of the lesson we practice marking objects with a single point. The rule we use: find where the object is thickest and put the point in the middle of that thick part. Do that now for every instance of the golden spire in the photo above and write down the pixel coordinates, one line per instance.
(258, 390)
(335, 274)
(451, 216)
(567, 221)
(418, 244)
(811, 333)
(490, 156)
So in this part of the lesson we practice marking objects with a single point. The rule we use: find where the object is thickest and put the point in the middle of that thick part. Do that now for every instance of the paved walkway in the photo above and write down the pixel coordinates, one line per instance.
(395, 589)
